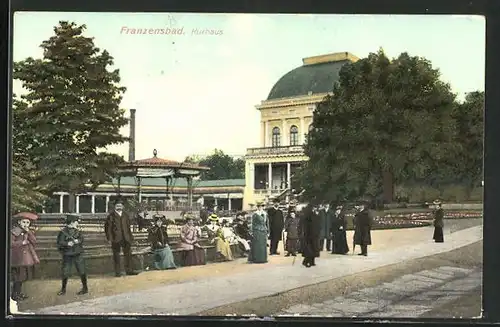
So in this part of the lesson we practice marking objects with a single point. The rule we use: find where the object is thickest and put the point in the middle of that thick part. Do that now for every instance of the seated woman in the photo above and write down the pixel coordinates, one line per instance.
(242, 231)
(158, 237)
(193, 253)
(216, 235)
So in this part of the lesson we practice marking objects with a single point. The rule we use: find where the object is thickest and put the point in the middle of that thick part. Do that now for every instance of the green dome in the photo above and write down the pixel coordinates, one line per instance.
(315, 78)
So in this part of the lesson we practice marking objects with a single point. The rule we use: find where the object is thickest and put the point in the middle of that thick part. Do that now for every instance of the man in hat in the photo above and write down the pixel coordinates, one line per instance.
(326, 216)
(276, 226)
(363, 221)
(438, 236)
(70, 244)
(118, 233)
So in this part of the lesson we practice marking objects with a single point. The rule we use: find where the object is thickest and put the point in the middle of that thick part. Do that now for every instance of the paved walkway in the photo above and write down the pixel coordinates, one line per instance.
(409, 296)
(192, 297)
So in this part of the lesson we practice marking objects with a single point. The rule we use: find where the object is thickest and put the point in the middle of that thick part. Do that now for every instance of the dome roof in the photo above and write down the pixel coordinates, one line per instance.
(317, 75)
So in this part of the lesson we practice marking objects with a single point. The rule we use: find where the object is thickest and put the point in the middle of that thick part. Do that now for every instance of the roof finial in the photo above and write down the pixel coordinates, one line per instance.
(155, 152)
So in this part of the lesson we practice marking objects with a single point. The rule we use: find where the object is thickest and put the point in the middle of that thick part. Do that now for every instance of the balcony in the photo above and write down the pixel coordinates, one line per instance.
(293, 149)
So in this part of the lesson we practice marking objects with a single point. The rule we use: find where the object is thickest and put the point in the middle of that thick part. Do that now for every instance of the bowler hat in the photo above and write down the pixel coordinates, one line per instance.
(72, 218)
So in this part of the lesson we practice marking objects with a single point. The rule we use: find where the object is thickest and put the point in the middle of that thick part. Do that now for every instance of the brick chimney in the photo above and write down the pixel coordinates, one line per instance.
(131, 143)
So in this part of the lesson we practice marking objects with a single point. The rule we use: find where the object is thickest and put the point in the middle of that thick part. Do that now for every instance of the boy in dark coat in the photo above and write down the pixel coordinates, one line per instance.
(363, 222)
(70, 244)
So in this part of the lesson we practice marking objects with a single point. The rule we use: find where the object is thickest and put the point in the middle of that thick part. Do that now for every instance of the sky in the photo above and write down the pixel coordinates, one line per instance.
(197, 92)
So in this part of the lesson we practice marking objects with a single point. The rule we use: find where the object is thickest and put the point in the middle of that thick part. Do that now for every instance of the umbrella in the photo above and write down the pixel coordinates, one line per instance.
(26, 215)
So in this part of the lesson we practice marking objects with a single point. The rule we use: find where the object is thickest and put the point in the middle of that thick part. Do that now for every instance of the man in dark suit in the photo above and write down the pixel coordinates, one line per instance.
(276, 226)
(119, 235)
(326, 215)
(363, 221)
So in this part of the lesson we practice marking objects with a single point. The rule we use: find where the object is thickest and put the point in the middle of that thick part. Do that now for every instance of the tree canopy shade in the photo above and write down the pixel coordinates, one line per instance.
(387, 121)
(222, 166)
(468, 164)
(70, 113)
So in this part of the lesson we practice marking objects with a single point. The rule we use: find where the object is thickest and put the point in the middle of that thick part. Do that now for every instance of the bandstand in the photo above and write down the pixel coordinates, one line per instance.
(160, 168)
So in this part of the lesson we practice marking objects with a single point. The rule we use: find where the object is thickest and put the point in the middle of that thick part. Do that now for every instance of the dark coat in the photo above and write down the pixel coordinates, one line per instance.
(325, 221)
(439, 218)
(276, 223)
(362, 227)
(292, 227)
(117, 228)
(65, 236)
(310, 230)
(243, 231)
(337, 222)
(158, 237)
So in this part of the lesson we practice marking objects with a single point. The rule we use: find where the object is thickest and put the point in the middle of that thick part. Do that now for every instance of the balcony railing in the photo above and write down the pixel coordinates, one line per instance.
(265, 191)
(275, 150)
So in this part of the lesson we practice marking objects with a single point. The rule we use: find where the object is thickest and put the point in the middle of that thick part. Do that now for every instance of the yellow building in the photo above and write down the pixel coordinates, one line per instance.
(286, 116)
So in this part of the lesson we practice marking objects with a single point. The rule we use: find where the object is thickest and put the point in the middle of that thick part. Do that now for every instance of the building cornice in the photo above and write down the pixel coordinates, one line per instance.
(292, 101)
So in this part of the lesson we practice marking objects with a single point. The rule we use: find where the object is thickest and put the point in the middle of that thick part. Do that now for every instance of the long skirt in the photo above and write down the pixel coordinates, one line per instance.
(292, 245)
(438, 236)
(164, 259)
(244, 244)
(223, 249)
(258, 247)
(339, 243)
(195, 257)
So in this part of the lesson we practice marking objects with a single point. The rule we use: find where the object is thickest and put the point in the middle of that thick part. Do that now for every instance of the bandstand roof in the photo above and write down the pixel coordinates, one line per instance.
(159, 167)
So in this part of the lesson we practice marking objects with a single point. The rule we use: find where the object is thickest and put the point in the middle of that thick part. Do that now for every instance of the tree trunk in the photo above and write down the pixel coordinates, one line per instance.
(388, 186)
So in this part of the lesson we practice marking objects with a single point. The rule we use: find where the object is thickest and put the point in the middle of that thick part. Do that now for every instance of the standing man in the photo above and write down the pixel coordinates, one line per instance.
(276, 226)
(326, 216)
(362, 230)
(118, 233)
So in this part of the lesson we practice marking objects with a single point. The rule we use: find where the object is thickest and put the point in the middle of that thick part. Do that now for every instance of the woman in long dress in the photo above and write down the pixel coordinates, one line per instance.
(158, 237)
(310, 229)
(193, 253)
(260, 230)
(23, 257)
(292, 234)
(338, 230)
(438, 236)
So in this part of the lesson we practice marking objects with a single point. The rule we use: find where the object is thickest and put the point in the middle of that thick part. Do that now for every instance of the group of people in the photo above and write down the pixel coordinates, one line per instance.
(307, 230)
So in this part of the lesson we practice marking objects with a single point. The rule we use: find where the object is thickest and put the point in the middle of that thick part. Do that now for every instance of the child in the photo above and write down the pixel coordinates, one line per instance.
(70, 244)
(23, 256)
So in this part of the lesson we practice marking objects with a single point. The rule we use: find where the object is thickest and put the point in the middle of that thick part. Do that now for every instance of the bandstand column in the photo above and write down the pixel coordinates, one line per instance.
(92, 208)
(229, 204)
(61, 203)
(107, 203)
(215, 201)
(77, 207)
(269, 178)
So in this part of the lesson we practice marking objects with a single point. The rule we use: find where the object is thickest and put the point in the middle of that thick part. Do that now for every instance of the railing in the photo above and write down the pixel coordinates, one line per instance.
(266, 191)
(275, 150)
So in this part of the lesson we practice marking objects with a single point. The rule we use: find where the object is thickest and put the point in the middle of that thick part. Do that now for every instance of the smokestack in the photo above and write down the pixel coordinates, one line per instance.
(131, 143)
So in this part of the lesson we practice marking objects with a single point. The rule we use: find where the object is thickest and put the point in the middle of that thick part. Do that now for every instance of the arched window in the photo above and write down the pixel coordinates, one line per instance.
(276, 137)
(294, 135)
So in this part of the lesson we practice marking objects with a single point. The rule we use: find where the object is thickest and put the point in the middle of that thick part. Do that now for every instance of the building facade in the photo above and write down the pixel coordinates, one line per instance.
(226, 194)
(286, 118)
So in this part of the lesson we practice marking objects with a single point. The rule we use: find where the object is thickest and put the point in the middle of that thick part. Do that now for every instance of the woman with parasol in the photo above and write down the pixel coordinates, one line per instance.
(23, 257)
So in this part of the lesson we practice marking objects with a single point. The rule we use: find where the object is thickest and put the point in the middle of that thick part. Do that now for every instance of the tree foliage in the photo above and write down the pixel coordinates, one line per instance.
(468, 164)
(391, 117)
(222, 166)
(70, 113)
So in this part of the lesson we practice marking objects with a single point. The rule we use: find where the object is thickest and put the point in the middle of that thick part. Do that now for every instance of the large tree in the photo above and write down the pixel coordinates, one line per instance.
(387, 121)
(468, 163)
(222, 166)
(72, 111)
